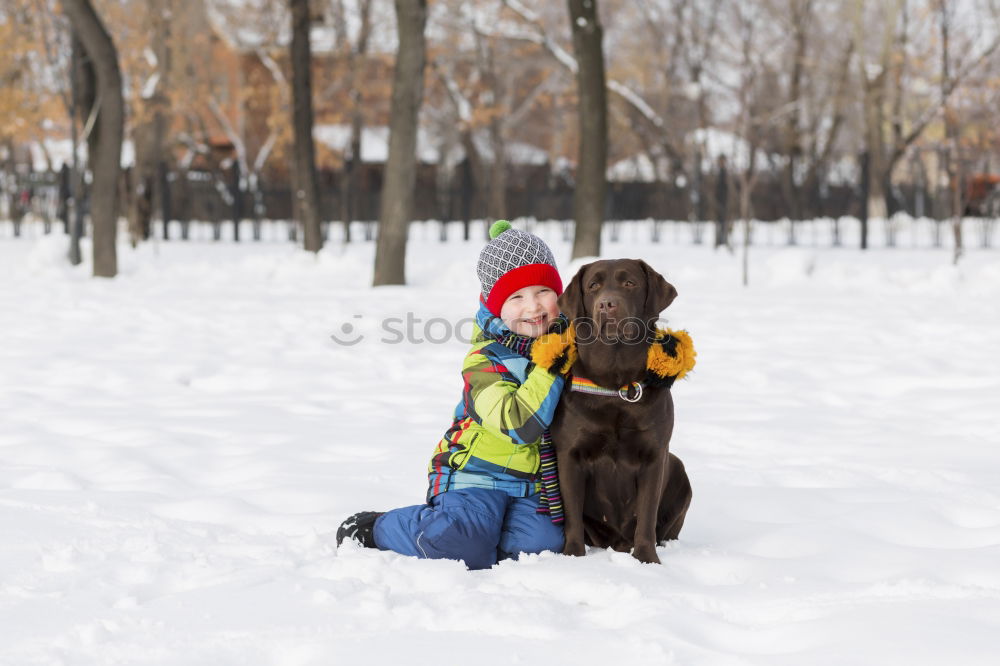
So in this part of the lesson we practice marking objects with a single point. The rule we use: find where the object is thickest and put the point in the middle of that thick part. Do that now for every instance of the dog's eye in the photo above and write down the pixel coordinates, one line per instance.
(593, 285)
(629, 283)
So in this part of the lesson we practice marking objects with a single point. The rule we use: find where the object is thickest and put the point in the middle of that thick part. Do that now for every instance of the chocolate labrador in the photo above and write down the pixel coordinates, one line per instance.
(621, 487)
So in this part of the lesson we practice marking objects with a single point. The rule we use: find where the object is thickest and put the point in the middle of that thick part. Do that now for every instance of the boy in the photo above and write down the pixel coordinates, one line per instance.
(486, 501)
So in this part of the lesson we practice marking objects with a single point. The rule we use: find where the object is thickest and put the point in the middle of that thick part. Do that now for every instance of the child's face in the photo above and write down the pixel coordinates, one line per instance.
(530, 310)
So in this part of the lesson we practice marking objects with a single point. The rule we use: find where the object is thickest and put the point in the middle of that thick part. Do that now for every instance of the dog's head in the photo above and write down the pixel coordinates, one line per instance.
(618, 299)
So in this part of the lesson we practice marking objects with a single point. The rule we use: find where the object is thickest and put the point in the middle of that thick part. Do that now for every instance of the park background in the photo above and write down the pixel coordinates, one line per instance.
(232, 316)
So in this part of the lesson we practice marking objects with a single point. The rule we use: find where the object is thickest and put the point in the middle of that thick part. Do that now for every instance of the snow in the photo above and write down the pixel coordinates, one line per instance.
(180, 443)
(714, 143)
(61, 152)
(247, 25)
(375, 145)
(149, 87)
(516, 152)
(717, 142)
(636, 168)
(374, 142)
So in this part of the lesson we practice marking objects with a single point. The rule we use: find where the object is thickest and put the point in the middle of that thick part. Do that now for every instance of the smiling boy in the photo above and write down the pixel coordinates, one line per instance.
(485, 498)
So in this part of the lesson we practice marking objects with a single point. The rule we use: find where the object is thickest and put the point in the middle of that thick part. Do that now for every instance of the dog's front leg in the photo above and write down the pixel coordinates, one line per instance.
(650, 483)
(572, 479)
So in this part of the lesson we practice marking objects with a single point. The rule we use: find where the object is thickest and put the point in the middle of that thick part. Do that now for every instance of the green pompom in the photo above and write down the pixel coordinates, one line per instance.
(498, 228)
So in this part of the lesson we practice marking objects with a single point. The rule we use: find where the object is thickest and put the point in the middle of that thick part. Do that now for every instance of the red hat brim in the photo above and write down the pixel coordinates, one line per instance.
(519, 278)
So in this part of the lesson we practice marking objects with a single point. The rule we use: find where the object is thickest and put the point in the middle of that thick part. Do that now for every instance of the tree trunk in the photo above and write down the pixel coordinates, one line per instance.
(79, 103)
(236, 189)
(957, 207)
(694, 198)
(866, 180)
(875, 95)
(64, 195)
(589, 192)
(163, 191)
(473, 176)
(141, 183)
(800, 15)
(745, 191)
(307, 190)
(160, 195)
(351, 195)
(400, 169)
(498, 179)
(722, 204)
(466, 195)
(106, 136)
(351, 182)
(952, 143)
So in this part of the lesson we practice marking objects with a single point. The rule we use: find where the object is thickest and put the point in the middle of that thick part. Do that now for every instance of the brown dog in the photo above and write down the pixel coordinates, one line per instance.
(620, 485)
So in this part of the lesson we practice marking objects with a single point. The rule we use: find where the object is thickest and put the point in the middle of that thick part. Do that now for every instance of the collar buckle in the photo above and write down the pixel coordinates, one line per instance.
(623, 392)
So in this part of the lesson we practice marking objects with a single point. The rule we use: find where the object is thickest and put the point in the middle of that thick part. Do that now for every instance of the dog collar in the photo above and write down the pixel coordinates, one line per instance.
(586, 386)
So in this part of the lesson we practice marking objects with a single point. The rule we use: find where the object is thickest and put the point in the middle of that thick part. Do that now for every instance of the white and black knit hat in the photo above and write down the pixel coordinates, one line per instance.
(512, 260)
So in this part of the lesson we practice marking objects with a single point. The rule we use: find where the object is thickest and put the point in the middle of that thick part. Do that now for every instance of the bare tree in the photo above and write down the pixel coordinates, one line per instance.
(355, 51)
(307, 190)
(749, 129)
(492, 86)
(875, 78)
(149, 122)
(954, 68)
(684, 35)
(760, 112)
(831, 103)
(400, 169)
(591, 174)
(652, 126)
(254, 26)
(149, 127)
(83, 83)
(952, 148)
(106, 129)
(891, 123)
(800, 15)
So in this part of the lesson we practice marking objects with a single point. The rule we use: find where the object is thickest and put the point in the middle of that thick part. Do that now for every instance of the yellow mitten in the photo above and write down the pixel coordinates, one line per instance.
(680, 362)
(555, 352)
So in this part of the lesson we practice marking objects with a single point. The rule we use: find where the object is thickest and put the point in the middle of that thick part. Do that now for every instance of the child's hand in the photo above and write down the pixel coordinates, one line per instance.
(556, 352)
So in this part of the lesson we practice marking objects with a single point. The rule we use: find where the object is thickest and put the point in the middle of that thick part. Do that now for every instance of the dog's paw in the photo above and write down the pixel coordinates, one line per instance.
(646, 554)
(575, 549)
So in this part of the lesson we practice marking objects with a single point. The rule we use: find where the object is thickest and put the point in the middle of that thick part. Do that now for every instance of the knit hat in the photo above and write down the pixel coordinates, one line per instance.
(512, 260)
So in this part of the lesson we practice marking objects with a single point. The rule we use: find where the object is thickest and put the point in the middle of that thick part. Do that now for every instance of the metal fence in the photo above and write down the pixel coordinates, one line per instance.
(215, 198)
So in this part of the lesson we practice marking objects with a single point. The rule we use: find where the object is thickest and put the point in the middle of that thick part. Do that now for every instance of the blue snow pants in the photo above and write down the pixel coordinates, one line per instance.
(476, 525)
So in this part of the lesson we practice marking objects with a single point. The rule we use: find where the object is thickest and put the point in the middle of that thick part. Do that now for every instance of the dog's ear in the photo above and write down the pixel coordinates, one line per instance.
(659, 292)
(571, 300)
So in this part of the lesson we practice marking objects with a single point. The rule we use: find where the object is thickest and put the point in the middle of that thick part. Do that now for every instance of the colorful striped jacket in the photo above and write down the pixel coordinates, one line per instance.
(507, 402)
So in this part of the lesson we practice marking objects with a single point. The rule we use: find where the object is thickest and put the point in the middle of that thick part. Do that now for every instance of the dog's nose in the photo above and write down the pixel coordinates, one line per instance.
(608, 306)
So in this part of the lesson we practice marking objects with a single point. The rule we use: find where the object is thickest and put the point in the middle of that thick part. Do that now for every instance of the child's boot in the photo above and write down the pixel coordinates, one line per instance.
(360, 527)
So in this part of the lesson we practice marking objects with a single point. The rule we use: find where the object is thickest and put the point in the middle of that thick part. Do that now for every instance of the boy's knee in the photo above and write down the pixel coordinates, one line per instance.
(396, 530)
(454, 536)
(463, 526)
(545, 537)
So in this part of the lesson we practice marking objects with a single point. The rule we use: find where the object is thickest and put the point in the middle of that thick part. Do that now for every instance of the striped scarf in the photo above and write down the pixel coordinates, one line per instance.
(550, 501)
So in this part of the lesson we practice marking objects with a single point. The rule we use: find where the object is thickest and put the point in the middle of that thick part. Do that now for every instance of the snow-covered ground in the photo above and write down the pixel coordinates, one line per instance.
(179, 444)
